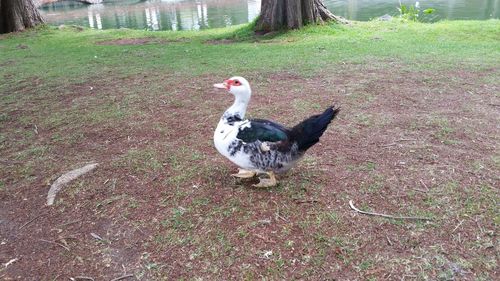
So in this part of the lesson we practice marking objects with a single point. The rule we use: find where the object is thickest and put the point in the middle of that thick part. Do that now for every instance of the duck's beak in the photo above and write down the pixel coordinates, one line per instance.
(220, 85)
(224, 85)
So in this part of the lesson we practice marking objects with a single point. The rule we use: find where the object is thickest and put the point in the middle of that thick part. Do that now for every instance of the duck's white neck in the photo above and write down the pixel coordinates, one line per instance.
(237, 111)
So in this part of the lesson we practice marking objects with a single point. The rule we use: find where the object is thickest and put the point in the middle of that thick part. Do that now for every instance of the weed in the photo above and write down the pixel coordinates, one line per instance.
(141, 161)
(365, 119)
(412, 12)
(4, 117)
(108, 201)
(444, 130)
(33, 152)
(306, 106)
(369, 166)
(365, 265)
(133, 203)
(327, 218)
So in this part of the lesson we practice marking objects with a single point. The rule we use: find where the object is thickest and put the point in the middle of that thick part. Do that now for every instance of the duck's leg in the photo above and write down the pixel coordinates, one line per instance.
(244, 174)
(270, 182)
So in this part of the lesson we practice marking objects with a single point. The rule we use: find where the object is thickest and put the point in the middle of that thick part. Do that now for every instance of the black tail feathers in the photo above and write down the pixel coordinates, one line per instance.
(308, 132)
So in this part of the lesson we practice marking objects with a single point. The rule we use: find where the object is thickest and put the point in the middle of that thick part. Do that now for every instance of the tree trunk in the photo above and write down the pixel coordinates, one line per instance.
(17, 15)
(292, 14)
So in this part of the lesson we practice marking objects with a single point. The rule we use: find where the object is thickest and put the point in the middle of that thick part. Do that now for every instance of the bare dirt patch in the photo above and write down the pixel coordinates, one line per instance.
(257, 40)
(138, 41)
(220, 42)
(7, 63)
(162, 203)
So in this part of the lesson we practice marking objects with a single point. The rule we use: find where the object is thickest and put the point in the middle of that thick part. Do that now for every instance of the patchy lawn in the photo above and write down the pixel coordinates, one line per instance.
(417, 135)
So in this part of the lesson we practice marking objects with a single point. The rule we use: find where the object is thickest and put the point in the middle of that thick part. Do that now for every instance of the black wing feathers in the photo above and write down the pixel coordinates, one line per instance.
(263, 130)
(305, 134)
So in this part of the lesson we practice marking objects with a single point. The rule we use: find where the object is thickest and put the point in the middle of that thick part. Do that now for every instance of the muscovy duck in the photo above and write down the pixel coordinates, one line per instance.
(260, 146)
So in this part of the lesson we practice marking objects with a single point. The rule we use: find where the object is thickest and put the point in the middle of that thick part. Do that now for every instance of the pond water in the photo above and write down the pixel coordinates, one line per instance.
(202, 14)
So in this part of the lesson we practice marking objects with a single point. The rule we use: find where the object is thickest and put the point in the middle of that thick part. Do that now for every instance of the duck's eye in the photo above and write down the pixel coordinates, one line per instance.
(237, 83)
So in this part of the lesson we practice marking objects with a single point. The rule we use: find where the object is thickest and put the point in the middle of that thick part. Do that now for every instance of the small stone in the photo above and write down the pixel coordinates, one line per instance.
(267, 254)
(385, 17)
(265, 221)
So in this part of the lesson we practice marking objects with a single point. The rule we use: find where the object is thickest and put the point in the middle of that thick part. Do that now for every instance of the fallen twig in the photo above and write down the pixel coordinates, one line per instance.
(30, 221)
(351, 204)
(387, 145)
(458, 225)
(388, 240)
(96, 236)
(11, 262)
(10, 162)
(423, 183)
(82, 278)
(123, 277)
(281, 217)
(68, 223)
(66, 178)
(55, 243)
(263, 238)
(277, 214)
(63, 239)
(307, 201)
(479, 226)
(395, 142)
(111, 200)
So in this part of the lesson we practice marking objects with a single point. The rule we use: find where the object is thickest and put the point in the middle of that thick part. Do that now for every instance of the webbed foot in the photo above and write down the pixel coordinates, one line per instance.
(270, 182)
(244, 174)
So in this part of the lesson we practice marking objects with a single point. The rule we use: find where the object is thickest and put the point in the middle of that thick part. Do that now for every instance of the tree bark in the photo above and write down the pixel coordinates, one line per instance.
(292, 14)
(17, 15)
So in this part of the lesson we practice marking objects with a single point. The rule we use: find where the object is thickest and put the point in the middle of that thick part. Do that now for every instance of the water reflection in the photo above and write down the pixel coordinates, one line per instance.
(94, 16)
(201, 14)
(445, 9)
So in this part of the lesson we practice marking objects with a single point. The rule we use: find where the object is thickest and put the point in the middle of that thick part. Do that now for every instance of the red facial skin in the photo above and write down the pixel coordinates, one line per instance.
(229, 83)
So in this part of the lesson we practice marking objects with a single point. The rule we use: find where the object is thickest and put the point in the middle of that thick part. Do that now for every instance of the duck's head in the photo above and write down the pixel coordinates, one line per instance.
(238, 86)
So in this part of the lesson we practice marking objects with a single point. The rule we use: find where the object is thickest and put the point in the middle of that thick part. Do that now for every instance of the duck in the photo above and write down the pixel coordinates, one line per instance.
(262, 147)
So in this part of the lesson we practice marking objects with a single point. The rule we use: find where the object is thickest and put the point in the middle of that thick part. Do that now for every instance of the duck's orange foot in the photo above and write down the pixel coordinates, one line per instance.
(270, 182)
(244, 174)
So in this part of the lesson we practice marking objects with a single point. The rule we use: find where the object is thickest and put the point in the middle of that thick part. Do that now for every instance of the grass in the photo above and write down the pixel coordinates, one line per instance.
(457, 43)
(415, 109)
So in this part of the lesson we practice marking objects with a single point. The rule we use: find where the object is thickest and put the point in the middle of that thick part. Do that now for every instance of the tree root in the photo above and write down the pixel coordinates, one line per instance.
(66, 178)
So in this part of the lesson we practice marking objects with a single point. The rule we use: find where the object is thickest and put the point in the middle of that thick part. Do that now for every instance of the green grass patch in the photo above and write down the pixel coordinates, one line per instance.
(77, 56)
